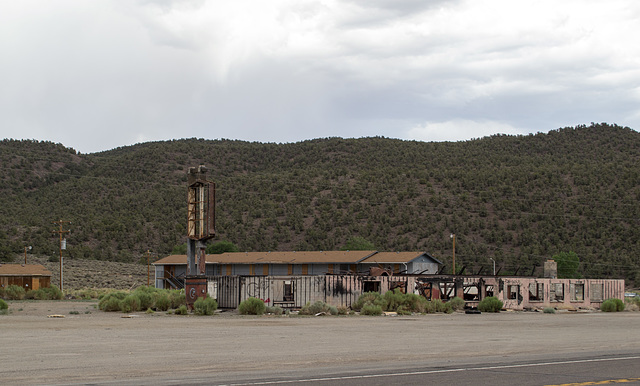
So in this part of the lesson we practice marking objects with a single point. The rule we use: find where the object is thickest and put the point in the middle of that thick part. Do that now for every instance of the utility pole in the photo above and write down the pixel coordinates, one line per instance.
(148, 254)
(453, 236)
(60, 232)
(25, 253)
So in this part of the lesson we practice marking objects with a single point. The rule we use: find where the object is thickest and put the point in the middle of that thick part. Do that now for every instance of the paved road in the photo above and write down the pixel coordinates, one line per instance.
(497, 349)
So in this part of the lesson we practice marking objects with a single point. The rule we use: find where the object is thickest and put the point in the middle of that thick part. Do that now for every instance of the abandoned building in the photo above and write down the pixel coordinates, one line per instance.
(27, 276)
(291, 279)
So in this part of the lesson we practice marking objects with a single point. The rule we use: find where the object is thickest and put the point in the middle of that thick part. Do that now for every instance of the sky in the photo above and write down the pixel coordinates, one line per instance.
(96, 75)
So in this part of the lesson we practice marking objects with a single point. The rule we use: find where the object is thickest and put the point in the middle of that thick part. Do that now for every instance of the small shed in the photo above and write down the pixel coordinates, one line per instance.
(27, 276)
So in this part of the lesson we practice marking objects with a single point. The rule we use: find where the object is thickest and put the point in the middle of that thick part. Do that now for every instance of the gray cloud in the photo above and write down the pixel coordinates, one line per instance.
(100, 75)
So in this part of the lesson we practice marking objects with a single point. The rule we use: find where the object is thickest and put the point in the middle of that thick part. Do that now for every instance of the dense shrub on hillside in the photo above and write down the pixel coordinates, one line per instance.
(490, 304)
(252, 306)
(612, 305)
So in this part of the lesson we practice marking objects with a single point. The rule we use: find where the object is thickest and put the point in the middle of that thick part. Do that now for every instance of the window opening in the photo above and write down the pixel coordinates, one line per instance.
(536, 292)
(556, 292)
(577, 292)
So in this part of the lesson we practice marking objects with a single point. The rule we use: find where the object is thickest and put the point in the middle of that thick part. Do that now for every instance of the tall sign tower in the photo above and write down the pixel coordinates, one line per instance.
(201, 227)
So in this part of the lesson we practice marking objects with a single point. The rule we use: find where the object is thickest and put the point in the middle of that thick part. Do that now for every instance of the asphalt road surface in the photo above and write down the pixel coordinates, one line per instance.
(91, 347)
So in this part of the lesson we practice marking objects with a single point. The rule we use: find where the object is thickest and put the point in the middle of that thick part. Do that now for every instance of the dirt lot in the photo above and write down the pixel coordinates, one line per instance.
(88, 345)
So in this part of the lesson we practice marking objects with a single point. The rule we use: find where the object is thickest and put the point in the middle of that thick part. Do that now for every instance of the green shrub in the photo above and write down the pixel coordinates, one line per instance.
(111, 301)
(205, 306)
(318, 307)
(163, 302)
(46, 293)
(371, 298)
(612, 305)
(342, 310)
(131, 303)
(182, 310)
(549, 310)
(252, 306)
(370, 309)
(274, 310)
(457, 303)
(490, 304)
(177, 298)
(145, 297)
(14, 292)
(3, 305)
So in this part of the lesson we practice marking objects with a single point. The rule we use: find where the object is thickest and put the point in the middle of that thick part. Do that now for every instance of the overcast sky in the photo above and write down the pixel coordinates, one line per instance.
(95, 75)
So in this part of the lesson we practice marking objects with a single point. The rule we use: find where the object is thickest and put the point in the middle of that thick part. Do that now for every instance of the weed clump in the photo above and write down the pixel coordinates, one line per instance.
(252, 306)
(549, 310)
(182, 310)
(3, 305)
(612, 305)
(490, 304)
(274, 310)
(318, 308)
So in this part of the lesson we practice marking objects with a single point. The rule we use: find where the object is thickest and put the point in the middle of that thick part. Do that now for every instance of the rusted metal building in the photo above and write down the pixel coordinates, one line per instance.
(27, 276)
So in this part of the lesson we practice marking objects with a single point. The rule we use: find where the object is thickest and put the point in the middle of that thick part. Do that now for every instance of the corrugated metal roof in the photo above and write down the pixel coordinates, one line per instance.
(297, 257)
(23, 270)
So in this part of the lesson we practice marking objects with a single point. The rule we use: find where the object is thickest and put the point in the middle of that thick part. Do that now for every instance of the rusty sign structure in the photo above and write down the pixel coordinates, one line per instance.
(200, 227)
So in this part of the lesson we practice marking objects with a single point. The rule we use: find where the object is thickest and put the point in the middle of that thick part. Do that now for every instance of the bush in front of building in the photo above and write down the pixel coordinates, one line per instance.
(178, 298)
(490, 304)
(3, 305)
(252, 306)
(368, 298)
(14, 292)
(130, 303)
(46, 293)
(205, 306)
(457, 304)
(318, 308)
(612, 305)
(182, 310)
(111, 301)
(549, 310)
(370, 309)
(274, 310)
(162, 303)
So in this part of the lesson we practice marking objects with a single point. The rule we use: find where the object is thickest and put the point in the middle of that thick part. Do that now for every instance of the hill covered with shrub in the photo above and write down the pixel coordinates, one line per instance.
(516, 199)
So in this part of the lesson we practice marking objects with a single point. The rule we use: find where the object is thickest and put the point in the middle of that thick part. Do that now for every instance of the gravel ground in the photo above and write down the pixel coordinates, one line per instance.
(91, 346)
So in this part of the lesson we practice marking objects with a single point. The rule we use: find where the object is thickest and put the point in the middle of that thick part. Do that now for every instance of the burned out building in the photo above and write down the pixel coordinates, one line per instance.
(291, 279)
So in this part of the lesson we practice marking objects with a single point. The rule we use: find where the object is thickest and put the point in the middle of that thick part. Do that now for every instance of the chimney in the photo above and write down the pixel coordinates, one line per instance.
(550, 269)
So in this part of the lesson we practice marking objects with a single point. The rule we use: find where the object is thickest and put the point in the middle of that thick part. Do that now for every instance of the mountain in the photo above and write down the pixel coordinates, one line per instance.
(516, 199)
